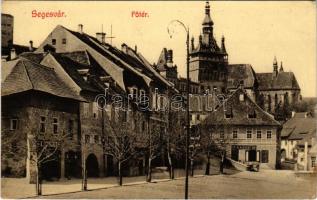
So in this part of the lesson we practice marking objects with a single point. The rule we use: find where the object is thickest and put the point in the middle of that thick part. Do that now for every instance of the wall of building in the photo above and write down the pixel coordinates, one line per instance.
(29, 111)
(293, 97)
(259, 144)
(288, 146)
(6, 30)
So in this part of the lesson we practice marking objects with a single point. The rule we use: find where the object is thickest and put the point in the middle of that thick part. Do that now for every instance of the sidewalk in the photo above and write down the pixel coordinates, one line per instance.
(20, 188)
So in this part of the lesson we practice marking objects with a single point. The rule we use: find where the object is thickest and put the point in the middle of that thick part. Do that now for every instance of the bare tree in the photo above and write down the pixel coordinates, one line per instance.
(121, 140)
(175, 138)
(194, 147)
(44, 150)
(152, 143)
(215, 141)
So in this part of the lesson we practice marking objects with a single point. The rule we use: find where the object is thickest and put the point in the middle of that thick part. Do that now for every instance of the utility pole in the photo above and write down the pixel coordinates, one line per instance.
(111, 37)
(187, 103)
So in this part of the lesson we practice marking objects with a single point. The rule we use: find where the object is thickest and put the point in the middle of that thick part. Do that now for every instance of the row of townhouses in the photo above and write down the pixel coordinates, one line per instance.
(62, 94)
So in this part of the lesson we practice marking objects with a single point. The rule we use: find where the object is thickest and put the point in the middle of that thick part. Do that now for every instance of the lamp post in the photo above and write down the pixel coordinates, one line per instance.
(170, 32)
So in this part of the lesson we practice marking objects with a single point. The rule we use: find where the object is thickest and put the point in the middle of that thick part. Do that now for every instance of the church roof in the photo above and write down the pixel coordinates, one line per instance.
(240, 73)
(23, 75)
(283, 80)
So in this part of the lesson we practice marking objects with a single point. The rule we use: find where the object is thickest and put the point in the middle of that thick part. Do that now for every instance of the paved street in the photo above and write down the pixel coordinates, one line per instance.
(264, 184)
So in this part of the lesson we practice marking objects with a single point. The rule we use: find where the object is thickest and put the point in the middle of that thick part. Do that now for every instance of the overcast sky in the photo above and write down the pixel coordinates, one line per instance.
(255, 31)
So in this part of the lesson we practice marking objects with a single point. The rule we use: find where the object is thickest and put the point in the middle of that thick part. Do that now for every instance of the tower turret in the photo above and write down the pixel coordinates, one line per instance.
(275, 67)
(207, 26)
(192, 44)
(223, 47)
(281, 67)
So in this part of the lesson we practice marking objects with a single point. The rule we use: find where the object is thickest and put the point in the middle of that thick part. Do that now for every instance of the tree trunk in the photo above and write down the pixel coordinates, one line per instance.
(149, 173)
(84, 176)
(207, 172)
(120, 173)
(222, 163)
(192, 167)
(37, 184)
(171, 171)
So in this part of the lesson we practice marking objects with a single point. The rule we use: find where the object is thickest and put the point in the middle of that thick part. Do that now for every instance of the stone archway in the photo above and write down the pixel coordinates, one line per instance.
(92, 166)
(283, 155)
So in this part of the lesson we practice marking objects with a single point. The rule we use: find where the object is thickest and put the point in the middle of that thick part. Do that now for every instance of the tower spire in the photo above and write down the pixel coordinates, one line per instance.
(275, 67)
(281, 67)
(207, 8)
(207, 19)
(223, 47)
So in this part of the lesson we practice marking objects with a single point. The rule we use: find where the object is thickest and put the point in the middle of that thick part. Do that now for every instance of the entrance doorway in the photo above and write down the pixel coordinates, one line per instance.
(72, 164)
(51, 169)
(110, 171)
(252, 155)
(235, 154)
(92, 166)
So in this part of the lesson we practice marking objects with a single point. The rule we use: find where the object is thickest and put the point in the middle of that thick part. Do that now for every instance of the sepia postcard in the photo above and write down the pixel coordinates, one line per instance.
(158, 100)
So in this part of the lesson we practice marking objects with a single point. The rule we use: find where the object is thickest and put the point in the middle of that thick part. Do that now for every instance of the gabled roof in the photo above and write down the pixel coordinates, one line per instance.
(299, 128)
(105, 50)
(22, 75)
(283, 80)
(148, 69)
(71, 67)
(18, 49)
(34, 57)
(77, 56)
(302, 115)
(238, 73)
(240, 111)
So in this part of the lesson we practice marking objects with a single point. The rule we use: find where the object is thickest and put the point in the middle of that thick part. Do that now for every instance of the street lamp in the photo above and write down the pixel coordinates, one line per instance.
(170, 32)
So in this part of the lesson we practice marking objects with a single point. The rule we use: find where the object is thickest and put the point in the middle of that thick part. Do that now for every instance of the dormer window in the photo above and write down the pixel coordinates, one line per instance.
(241, 97)
(228, 113)
(252, 114)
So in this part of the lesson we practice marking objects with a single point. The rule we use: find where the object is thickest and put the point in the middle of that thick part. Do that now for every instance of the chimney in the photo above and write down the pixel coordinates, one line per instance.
(101, 36)
(136, 48)
(80, 28)
(169, 60)
(124, 48)
(13, 54)
(31, 45)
